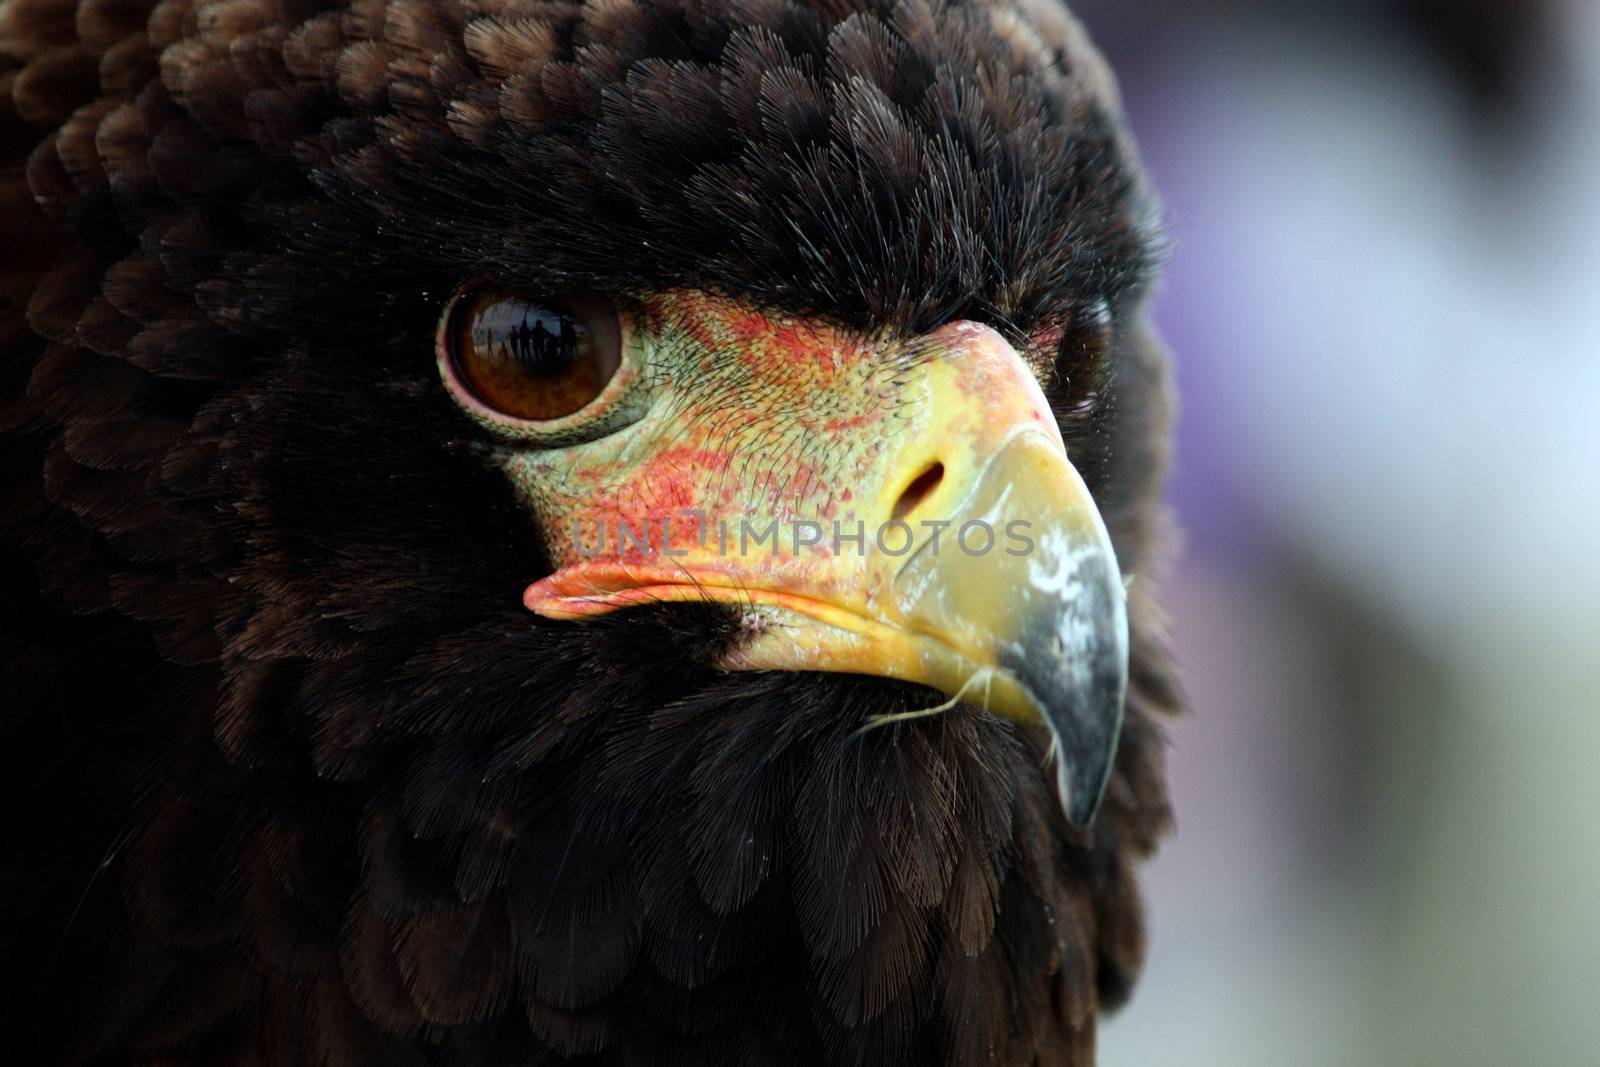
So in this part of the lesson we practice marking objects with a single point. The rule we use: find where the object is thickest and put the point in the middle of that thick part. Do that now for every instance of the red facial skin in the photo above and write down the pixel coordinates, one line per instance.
(750, 418)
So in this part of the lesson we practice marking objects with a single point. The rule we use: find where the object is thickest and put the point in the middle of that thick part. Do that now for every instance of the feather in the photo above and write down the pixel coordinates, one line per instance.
(51, 87)
(372, 973)
(456, 965)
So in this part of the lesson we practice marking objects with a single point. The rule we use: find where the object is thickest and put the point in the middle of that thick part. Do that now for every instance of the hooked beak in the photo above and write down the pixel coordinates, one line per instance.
(972, 560)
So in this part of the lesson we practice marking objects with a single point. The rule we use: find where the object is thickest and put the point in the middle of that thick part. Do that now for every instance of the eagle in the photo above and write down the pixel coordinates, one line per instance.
(609, 531)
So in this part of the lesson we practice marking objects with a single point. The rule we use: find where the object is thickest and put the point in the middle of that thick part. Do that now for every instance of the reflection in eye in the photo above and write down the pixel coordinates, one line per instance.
(543, 341)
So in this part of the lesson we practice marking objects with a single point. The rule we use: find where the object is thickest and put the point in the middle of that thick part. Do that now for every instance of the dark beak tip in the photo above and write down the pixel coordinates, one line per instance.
(1072, 659)
(1084, 717)
(1081, 789)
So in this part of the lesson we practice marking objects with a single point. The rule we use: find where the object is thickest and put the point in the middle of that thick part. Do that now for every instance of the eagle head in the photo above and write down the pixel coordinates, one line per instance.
(600, 529)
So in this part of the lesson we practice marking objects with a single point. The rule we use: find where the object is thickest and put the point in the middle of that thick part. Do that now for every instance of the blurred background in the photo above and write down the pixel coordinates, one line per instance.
(1384, 296)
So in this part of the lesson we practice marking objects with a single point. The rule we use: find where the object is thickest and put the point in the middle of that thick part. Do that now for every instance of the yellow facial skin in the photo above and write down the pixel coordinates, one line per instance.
(890, 507)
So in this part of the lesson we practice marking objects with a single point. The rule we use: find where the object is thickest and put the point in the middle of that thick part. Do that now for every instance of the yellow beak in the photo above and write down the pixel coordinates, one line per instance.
(1034, 628)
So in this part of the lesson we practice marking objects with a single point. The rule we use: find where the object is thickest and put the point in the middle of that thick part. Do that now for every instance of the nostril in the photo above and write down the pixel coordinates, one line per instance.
(921, 487)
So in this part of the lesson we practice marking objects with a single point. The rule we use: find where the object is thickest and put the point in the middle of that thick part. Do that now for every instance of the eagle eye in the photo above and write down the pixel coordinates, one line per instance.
(530, 358)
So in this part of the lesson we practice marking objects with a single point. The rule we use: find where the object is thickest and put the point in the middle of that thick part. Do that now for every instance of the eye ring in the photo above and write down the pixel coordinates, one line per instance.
(528, 361)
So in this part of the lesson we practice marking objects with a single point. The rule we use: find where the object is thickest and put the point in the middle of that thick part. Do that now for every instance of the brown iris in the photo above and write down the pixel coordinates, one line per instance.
(533, 358)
